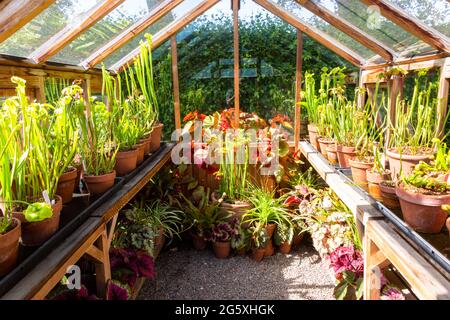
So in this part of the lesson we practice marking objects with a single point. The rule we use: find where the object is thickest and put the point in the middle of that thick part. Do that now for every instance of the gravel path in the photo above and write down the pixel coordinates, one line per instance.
(187, 274)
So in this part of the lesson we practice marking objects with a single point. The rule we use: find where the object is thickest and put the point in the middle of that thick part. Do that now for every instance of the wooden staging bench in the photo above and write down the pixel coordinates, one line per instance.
(383, 245)
(92, 240)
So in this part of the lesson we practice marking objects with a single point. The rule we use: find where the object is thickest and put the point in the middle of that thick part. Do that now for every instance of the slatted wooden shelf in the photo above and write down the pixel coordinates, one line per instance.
(92, 239)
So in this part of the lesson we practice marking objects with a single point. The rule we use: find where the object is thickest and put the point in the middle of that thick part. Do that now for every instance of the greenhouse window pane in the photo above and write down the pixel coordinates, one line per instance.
(45, 25)
(435, 13)
(313, 20)
(368, 19)
(173, 15)
(104, 30)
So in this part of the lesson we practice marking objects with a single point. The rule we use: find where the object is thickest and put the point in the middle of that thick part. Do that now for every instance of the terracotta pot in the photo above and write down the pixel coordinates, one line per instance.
(36, 233)
(313, 136)
(237, 210)
(324, 143)
(374, 178)
(344, 154)
(78, 179)
(159, 241)
(9, 248)
(222, 249)
(359, 169)
(404, 163)
(198, 242)
(258, 254)
(332, 153)
(66, 185)
(447, 224)
(140, 153)
(270, 228)
(285, 247)
(126, 161)
(100, 184)
(297, 239)
(147, 144)
(389, 197)
(423, 212)
(270, 250)
(156, 137)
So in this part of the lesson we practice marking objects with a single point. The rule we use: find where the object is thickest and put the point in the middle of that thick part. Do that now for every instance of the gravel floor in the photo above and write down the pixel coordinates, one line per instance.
(186, 274)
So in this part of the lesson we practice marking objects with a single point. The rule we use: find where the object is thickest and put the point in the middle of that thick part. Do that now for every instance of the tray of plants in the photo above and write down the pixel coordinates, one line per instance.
(435, 245)
(72, 216)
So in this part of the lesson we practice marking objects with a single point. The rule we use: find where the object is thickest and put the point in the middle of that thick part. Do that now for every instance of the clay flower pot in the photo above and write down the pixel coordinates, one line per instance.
(324, 143)
(9, 248)
(147, 144)
(298, 239)
(222, 249)
(359, 169)
(198, 242)
(66, 185)
(36, 233)
(344, 154)
(388, 196)
(405, 163)
(140, 153)
(258, 254)
(156, 137)
(313, 136)
(159, 241)
(237, 210)
(285, 247)
(374, 178)
(269, 249)
(100, 184)
(421, 211)
(126, 161)
(332, 153)
(270, 228)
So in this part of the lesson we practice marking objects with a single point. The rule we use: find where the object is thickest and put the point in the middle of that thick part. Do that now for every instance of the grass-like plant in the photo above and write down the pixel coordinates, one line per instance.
(310, 102)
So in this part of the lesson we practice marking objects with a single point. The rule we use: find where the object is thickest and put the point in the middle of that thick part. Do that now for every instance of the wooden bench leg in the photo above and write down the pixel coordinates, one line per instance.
(103, 270)
(374, 261)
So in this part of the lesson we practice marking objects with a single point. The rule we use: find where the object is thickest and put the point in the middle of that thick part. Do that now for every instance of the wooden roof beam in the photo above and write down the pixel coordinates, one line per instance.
(313, 32)
(131, 32)
(167, 32)
(53, 45)
(14, 14)
(410, 24)
(357, 34)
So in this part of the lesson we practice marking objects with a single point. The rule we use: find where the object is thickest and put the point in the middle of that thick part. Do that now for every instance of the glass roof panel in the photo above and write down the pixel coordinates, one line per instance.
(313, 20)
(104, 30)
(45, 25)
(372, 22)
(434, 13)
(173, 15)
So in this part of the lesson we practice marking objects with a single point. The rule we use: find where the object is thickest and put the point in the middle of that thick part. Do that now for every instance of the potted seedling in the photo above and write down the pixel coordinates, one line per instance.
(425, 191)
(221, 236)
(260, 240)
(311, 104)
(284, 236)
(378, 173)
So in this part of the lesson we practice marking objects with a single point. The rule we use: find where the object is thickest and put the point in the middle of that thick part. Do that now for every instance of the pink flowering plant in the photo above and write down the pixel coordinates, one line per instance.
(224, 231)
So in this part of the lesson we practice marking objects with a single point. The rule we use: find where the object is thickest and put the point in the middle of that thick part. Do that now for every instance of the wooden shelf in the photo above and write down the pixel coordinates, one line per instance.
(92, 238)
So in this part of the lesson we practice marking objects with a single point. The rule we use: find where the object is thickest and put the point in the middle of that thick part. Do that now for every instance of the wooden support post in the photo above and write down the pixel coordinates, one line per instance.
(236, 62)
(444, 82)
(176, 85)
(103, 270)
(361, 95)
(40, 91)
(372, 272)
(298, 88)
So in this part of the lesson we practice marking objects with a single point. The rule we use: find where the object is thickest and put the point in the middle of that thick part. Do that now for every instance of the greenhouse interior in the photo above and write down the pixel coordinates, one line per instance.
(224, 150)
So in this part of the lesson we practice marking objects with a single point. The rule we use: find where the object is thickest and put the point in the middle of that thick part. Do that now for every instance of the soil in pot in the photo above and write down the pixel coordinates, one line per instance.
(66, 185)
(100, 184)
(140, 153)
(198, 242)
(222, 249)
(258, 254)
(36, 233)
(126, 161)
(324, 143)
(359, 169)
(423, 212)
(374, 178)
(156, 137)
(388, 196)
(9, 248)
(332, 153)
(313, 133)
(406, 162)
(344, 154)
(285, 247)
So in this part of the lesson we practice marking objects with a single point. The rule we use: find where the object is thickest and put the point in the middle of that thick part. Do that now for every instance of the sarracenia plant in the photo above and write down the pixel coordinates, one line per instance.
(310, 102)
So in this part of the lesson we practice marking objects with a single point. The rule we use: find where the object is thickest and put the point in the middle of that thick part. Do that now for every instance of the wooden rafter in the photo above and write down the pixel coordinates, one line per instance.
(313, 32)
(157, 13)
(72, 31)
(357, 34)
(167, 32)
(411, 24)
(14, 14)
